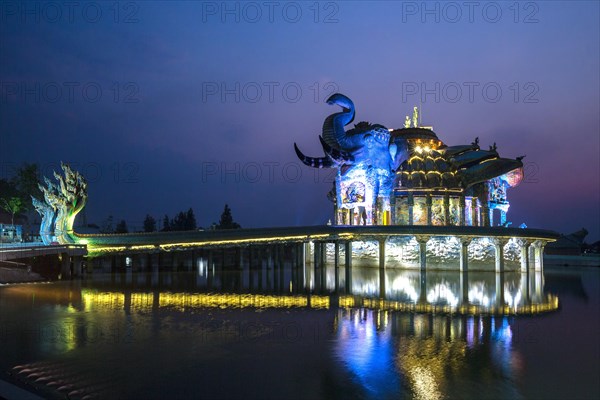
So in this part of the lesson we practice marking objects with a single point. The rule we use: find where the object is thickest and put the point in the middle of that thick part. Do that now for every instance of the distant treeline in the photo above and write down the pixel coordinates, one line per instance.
(183, 221)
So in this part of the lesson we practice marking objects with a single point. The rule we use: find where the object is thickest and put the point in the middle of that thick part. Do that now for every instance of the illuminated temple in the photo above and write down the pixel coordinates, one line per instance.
(408, 176)
(401, 196)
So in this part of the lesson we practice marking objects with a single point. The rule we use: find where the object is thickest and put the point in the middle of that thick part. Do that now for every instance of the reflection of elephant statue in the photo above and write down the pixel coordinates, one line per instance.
(65, 200)
(360, 154)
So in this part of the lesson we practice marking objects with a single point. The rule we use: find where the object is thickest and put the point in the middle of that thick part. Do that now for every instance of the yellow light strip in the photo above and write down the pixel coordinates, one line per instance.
(182, 301)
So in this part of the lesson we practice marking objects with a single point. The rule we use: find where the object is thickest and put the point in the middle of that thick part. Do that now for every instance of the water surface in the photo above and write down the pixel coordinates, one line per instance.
(271, 334)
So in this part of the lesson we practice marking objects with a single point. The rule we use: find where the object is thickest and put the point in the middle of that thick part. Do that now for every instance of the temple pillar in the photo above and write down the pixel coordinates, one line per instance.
(447, 209)
(474, 212)
(524, 245)
(502, 218)
(485, 214)
(462, 206)
(422, 240)
(499, 247)
(393, 210)
(428, 201)
(538, 252)
(464, 253)
(351, 216)
(411, 205)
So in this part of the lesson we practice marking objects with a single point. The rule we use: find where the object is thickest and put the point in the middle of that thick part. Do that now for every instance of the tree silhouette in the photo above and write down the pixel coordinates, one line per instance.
(226, 221)
(107, 225)
(190, 220)
(121, 227)
(12, 205)
(149, 224)
(166, 226)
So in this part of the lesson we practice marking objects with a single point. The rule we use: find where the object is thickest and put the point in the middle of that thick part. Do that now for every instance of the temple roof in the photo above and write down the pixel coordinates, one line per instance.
(423, 134)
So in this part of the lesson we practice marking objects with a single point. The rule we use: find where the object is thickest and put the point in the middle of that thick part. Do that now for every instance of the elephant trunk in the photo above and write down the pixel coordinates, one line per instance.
(334, 133)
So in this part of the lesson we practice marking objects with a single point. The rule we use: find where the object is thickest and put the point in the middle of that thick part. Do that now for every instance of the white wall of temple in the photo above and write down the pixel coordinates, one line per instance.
(443, 253)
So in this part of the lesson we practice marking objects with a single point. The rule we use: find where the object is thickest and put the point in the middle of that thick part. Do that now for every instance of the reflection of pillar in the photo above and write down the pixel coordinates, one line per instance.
(423, 286)
(422, 250)
(336, 264)
(538, 247)
(499, 246)
(464, 252)
(260, 260)
(77, 265)
(464, 287)
(301, 267)
(499, 289)
(428, 201)
(382, 268)
(174, 261)
(525, 286)
(281, 266)
(462, 207)
(411, 205)
(250, 272)
(536, 292)
(348, 266)
(524, 244)
(447, 209)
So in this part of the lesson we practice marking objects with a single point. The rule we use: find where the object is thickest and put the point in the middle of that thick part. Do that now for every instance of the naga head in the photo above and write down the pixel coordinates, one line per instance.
(66, 198)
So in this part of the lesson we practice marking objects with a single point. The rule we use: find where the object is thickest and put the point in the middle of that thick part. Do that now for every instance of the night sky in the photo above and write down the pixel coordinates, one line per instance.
(165, 106)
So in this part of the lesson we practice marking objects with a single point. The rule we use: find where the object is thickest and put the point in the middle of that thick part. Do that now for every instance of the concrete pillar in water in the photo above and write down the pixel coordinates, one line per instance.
(422, 240)
(499, 253)
(336, 264)
(77, 265)
(209, 268)
(281, 262)
(348, 266)
(65, 266)
(316, 255)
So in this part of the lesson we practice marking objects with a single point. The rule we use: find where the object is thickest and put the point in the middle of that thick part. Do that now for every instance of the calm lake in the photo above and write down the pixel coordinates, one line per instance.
(269, 335)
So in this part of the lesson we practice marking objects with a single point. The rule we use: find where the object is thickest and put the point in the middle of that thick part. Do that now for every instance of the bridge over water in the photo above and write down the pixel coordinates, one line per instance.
(309, 242)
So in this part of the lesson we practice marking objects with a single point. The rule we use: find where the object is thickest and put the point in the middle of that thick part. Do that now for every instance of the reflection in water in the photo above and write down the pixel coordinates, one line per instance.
(367, 352)
(397, 333)
(435, 356)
